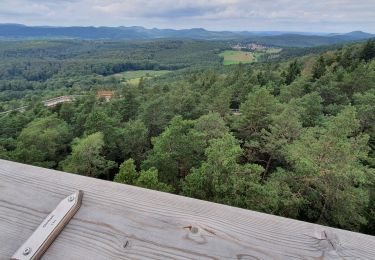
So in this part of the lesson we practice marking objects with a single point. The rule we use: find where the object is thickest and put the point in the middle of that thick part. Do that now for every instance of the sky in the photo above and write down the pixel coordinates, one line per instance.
(235, 15)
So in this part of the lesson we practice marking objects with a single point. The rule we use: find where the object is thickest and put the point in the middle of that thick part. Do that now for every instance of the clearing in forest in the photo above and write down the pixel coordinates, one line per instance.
(273, 50)
(133, 77)
(236, 57)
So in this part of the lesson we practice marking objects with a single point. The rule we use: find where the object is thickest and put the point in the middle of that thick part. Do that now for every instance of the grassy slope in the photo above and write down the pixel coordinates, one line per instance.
(236, 57)
(134, 77)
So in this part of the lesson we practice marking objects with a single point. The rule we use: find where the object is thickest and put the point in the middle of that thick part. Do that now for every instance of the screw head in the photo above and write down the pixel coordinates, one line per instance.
(71, 198)
(27, 251)
(194, 230)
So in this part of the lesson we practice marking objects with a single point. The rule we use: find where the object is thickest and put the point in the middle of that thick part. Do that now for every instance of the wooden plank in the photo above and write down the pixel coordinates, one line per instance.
(118, 221)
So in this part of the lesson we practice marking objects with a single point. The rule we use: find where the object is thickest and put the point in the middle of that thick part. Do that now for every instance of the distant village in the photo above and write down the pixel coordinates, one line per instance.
(249, 46)
(272, 52)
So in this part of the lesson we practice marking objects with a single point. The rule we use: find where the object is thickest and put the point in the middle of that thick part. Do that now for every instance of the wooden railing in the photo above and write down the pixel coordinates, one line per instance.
(118, 221)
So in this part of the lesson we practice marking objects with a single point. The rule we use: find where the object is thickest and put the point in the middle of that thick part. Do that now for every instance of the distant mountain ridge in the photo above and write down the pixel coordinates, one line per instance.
(297, 39)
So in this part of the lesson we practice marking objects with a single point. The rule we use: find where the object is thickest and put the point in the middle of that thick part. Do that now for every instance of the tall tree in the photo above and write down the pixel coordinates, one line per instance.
(284, 130)
(364, 103)
(319, 68)
(126, 107)
(294, 70)
(127, 173)
(156, 115)
(149, 179)
(212, 125)
(133, 140)
(179, 148)
(327, 172)
(146, 179)
(368, 51)
(43, 142)
(100, 120)
(222, 179)
(256, 114)
(310, 109)
(86, 158)
(220, 102)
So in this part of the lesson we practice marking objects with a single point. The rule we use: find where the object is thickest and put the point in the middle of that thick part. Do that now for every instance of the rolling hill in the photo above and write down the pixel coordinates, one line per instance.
(297, 39)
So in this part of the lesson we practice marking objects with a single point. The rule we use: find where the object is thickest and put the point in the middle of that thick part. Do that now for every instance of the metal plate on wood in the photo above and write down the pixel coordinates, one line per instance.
(49, 229)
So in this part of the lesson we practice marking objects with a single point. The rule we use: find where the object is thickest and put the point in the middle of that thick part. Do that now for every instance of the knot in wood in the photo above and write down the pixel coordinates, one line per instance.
(195, 235)
(194, 230)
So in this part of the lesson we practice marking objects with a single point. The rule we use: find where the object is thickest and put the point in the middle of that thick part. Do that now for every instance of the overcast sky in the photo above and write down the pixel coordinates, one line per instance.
(251, 15)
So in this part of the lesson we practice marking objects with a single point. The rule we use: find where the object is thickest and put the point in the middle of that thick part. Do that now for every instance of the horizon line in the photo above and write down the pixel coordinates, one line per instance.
(179, 29)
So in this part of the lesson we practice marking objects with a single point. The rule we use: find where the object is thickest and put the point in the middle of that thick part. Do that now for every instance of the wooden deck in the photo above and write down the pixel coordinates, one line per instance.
(118, 221)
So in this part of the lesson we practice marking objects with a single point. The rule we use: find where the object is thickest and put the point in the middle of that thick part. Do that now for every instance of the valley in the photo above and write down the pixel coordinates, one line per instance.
(221, 129)
(245, 124)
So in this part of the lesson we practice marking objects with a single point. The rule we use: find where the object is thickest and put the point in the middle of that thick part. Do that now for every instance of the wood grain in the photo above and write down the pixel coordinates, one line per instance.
(118, 221)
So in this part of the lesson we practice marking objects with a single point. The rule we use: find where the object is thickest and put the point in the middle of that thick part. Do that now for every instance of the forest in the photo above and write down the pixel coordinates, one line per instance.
(301, 146)
(32, 68)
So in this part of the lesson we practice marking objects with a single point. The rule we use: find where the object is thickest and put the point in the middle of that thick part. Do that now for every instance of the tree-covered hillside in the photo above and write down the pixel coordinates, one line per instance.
(286, 39)
(302, 144)
(28, 68)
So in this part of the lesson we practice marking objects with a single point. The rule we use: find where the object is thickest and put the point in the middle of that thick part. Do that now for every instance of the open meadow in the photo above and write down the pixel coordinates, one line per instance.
(133, 77)
(236, 57)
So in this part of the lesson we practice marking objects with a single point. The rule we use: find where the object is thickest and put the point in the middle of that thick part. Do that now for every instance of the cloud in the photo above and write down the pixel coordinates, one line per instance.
(301, 15)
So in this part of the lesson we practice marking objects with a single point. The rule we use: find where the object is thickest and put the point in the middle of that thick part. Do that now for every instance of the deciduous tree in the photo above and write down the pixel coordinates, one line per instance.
(179, 148)
(43, 142)
(86, 158)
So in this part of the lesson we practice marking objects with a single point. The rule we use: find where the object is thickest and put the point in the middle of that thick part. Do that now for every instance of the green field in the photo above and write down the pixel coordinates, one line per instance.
(133, 77)
(236, 57)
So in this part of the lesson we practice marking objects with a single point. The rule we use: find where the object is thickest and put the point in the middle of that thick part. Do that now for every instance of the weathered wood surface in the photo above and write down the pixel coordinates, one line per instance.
(118, 221)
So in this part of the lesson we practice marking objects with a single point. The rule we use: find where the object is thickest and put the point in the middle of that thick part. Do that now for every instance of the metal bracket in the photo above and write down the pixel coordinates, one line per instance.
(52, 225)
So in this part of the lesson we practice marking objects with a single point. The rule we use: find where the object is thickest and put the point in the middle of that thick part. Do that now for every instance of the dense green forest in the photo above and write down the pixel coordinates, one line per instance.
(32, 68)
(302, 146)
